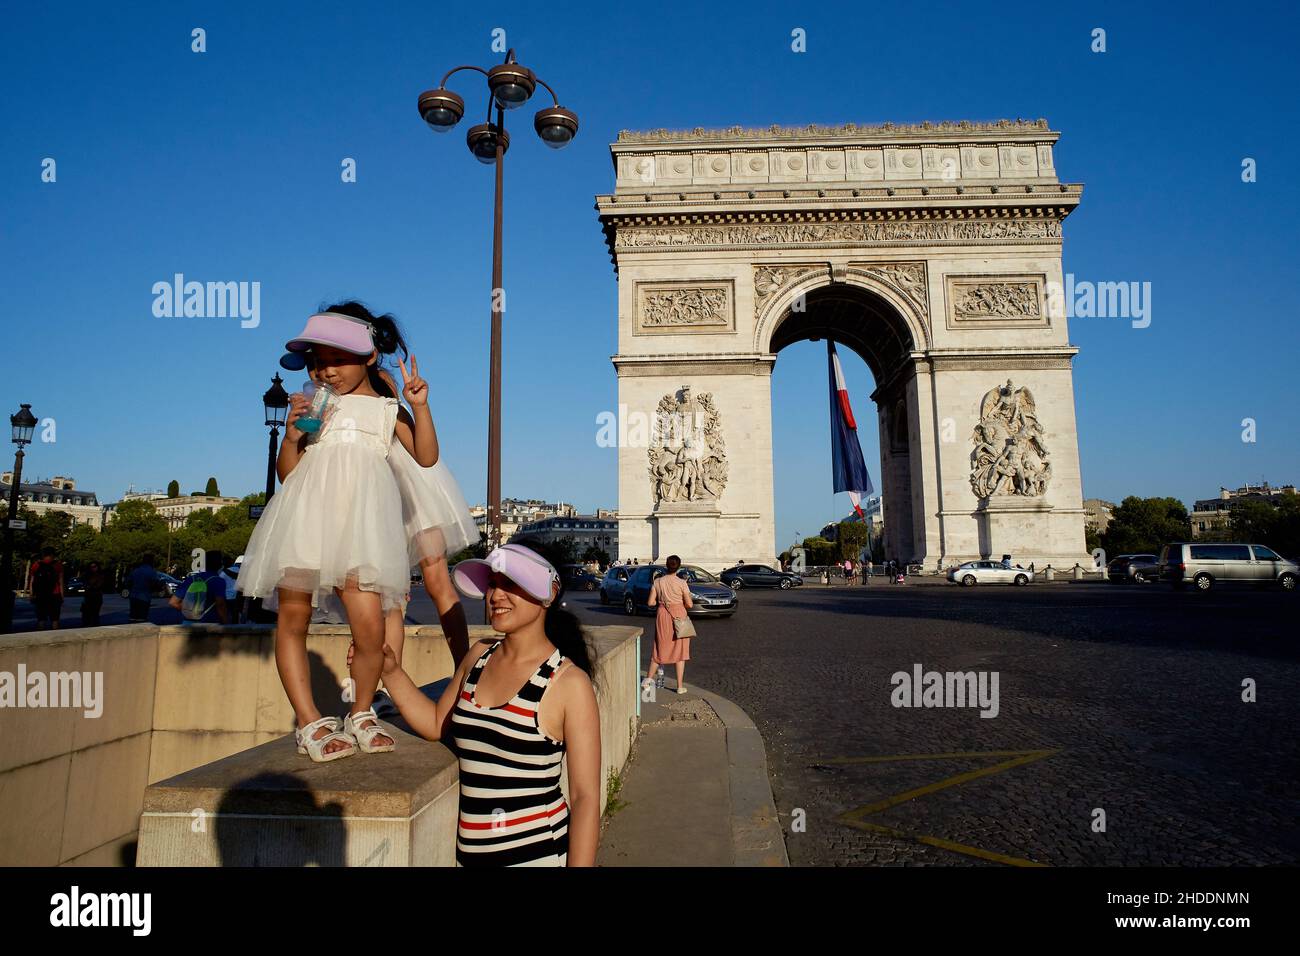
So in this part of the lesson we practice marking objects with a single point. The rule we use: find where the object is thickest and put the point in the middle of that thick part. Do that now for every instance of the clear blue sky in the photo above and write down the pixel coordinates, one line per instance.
(225, 166)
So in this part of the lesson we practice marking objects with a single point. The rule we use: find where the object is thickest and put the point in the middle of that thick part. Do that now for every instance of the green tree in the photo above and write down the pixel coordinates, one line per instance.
(851, 539)
(1091, 539)
(818, 551)
(137, 515)
(567, 550)
(599, 555)
(1285, 538)
(1253, 520)
(212, 489)
(173, 489)
(1145, 525)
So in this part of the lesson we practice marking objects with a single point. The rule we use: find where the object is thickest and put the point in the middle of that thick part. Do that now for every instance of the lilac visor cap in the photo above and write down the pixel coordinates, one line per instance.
(330, 328)
(525, 567)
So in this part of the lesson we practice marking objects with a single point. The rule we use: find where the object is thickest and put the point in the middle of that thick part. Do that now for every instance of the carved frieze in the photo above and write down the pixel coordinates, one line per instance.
(685, 307)
(813, 233)
(996, 301)
(1007, 300)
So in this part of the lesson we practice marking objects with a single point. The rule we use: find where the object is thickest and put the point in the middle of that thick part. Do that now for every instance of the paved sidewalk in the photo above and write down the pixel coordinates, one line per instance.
(695, 791)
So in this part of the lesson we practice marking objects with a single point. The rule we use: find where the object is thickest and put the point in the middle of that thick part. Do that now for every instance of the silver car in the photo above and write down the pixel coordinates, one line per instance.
(989, 572)
(1205, 565)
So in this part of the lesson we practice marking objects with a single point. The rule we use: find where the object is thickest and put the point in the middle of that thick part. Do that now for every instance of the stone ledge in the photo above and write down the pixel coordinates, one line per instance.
(272, 779)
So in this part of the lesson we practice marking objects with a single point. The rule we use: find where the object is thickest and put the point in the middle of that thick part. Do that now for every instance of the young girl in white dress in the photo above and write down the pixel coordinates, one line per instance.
(438, 525)
(331, 529)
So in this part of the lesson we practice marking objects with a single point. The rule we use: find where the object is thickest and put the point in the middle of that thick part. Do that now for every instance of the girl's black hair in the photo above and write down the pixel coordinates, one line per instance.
(388, 338)
(562, 626)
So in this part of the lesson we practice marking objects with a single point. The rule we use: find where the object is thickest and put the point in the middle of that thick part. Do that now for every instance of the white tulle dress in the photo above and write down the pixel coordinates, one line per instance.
(338, 518)
(434, 513)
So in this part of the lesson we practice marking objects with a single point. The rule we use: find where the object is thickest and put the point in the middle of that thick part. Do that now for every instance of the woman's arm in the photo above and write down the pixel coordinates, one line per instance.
(686, 595)
(582, 750)
(654, 592)
(428, 719)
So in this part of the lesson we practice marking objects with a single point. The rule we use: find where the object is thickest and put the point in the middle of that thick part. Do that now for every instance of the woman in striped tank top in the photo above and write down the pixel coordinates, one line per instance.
(514, 710)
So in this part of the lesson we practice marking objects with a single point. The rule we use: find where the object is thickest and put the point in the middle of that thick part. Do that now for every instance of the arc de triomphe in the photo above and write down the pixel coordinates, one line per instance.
(933, 251)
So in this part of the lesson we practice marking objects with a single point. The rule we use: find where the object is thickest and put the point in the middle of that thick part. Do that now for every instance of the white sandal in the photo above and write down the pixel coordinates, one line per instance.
(363, 737)
(316, 748)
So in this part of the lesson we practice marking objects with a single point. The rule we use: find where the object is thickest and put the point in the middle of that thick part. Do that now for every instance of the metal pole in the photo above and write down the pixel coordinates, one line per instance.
(270, 465)
(7, 574)
(494, 387)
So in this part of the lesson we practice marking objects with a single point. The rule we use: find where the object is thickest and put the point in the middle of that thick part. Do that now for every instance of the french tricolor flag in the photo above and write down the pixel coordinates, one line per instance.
(849, 470)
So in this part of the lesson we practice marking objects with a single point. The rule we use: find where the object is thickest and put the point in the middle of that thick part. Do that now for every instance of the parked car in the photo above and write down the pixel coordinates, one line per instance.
(73, 586)
(1206, 565)
(578, 578)
(1133, 569)
(710, 597)
(614, 583)
(989, 572)
(759, 576)
(164, 586)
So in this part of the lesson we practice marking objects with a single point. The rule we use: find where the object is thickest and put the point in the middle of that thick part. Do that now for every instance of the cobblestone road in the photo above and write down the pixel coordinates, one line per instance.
(1135, 692)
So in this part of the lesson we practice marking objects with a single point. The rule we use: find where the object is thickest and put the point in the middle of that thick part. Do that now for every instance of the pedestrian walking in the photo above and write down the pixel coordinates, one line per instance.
(673, 627)
(141, 584)
(93, 579)
(201, 597)
(45, 583)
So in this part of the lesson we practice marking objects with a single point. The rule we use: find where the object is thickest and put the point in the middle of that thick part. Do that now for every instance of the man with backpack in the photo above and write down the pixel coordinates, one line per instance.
(201, 597)
(46, 586)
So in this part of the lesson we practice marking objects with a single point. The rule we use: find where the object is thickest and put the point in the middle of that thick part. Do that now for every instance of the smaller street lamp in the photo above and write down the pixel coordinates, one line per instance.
(23, 424)
(276, 403)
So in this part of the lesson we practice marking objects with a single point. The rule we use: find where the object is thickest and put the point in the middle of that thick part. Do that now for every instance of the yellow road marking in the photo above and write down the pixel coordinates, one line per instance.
(854, 818)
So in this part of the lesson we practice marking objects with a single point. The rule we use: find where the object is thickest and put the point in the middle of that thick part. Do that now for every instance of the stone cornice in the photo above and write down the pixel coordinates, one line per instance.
(739, 135)
(698, 363)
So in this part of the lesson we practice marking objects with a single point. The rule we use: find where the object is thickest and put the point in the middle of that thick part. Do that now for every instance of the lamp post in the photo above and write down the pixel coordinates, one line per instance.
(23, 424)
(509, 87)
(276, 403)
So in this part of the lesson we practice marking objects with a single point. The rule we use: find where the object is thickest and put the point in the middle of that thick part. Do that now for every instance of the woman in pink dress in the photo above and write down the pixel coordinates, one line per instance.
(672, 595)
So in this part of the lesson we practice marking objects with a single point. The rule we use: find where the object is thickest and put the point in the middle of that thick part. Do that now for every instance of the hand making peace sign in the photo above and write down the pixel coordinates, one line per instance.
(414, 389)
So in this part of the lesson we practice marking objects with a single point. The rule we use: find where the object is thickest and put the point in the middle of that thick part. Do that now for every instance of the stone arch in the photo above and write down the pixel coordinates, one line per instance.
(927, 250)
(804, 284)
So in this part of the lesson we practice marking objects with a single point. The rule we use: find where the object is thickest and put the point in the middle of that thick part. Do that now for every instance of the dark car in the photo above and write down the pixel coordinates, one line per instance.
(759, 576)
(74, 586)
(1133, 569)
(614, 583)
(578, 578)
(164, 586)
(710, 597)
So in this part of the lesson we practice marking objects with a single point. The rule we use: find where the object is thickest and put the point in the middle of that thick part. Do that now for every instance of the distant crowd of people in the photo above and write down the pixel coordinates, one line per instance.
(207, 596)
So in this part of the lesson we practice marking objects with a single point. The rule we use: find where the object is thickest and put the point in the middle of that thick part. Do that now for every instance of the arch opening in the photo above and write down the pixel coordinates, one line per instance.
(863, 321)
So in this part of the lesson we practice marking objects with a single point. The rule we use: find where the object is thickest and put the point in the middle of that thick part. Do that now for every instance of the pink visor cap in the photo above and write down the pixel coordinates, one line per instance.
(525, 567)
(341, 331)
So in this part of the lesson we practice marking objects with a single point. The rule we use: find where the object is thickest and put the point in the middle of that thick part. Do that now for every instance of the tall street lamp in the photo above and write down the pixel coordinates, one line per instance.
(23, 424)
(509, 87)
(276, 403)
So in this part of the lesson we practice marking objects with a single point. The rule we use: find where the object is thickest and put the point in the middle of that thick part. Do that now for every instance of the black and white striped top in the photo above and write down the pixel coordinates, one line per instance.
(512, 812)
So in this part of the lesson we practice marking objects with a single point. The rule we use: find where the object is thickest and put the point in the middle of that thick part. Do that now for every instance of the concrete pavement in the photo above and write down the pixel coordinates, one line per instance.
(695, 791)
